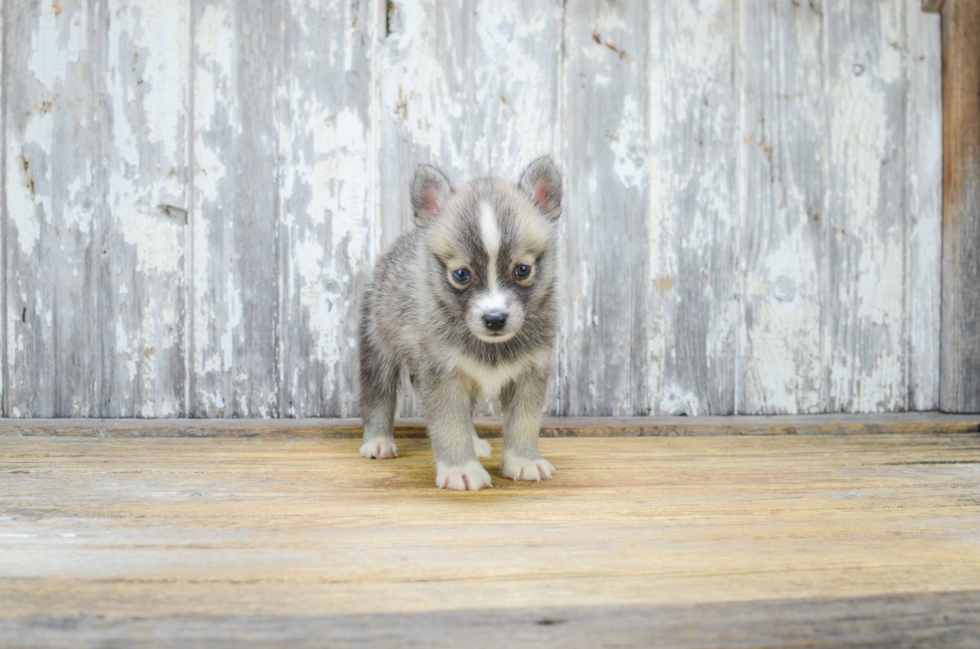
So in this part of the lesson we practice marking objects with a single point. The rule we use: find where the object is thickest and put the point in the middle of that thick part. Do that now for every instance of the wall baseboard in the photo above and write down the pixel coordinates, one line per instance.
(890, 423)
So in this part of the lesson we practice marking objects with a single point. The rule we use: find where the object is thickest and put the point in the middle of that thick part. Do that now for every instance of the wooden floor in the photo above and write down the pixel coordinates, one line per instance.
(710, 541)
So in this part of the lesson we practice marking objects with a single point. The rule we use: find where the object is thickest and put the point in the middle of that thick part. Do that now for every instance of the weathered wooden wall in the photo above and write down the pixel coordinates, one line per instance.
(195, 191)
(960, 360)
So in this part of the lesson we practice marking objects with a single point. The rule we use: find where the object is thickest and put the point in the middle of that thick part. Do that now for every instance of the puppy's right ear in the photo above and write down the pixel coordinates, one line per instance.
(430, 189)
(541, 181)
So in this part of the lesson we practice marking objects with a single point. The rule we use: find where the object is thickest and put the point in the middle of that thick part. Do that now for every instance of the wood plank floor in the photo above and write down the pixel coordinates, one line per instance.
(724, 541)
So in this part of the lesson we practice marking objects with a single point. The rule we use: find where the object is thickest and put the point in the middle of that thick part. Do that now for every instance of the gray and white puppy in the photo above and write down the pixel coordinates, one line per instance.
(467, 303)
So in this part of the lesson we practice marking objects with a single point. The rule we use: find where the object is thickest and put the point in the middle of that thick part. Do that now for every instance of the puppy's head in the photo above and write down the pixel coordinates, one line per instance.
(489, 246)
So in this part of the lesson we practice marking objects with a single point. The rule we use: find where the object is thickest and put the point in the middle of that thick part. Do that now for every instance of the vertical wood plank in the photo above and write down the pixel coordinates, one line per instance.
(145, 159)
(55, 181)
(960, 366)
(605, 138)
(924, 178)
(471, 87)
(686, 330)
(3, 219)
(783, 149)
(328, 192)
(96, 156)
(865, 336)
(235, 295)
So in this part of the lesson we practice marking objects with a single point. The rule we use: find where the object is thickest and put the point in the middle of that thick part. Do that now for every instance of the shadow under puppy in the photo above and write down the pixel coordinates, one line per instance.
(467, 303)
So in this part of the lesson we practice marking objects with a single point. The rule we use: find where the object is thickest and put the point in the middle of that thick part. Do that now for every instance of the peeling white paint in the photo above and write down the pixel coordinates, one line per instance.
(205, 360)
(157, 242)
(866, 361)
(923, 153)
(164, 29)
(125, 350)
(736, 272)
(338, 179)
(629, 146)
(4, 323)
(677, 401)
(234, 318)
(50, 38)
(214, 39)
(145, 157)
(28, 184)
(691, 221)
(322, 301)
(21, 207)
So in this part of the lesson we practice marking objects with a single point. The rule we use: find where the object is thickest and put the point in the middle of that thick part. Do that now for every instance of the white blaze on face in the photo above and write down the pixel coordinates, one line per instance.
(493, 299)
(490, 233)
(495, 302)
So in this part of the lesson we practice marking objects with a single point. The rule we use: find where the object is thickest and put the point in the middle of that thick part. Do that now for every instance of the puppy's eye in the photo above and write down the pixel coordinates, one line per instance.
(461, 276)
(522, 271)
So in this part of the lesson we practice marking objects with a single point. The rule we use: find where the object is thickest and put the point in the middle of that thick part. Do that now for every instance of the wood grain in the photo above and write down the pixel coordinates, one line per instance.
(684, 362)
(914, 620)
(146, 159)
(923, 136)
(960, 366)
(3, 219)
(328, 190)
(865, 342)
(234, 314)
(96, 175)
(193, 196)
(125, 536)
(878, 424)
(55, 211)
(783, 149)
(604, 121)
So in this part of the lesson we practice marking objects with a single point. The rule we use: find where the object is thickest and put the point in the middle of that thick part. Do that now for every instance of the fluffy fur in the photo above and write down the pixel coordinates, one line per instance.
(467, 304)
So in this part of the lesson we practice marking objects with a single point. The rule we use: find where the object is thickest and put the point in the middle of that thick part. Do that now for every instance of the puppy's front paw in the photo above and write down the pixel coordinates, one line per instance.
(465, 477)
(519, 468)
(380, 448)
(482, 447)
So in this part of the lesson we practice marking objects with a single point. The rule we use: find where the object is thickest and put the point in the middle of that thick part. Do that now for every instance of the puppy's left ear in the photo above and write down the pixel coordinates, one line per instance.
(541, 181)
(430, 189)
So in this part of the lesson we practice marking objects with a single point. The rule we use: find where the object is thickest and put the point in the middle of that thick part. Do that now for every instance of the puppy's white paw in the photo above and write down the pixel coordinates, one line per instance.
(466, 477)
(482, 447)
(519, 468)
(380, 448)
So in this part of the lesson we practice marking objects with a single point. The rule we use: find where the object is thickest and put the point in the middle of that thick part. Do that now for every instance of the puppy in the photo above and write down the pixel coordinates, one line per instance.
(467, 303)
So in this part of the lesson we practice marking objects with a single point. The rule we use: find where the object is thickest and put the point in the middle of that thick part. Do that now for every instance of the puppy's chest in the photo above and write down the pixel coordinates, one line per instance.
(492, 378)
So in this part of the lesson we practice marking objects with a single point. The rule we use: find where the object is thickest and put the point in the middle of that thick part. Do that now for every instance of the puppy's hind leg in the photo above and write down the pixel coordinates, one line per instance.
(481, 446)
(379, 394)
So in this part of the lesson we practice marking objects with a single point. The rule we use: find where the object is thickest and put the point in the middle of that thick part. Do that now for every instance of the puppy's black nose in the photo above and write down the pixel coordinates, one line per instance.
(495, 321)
